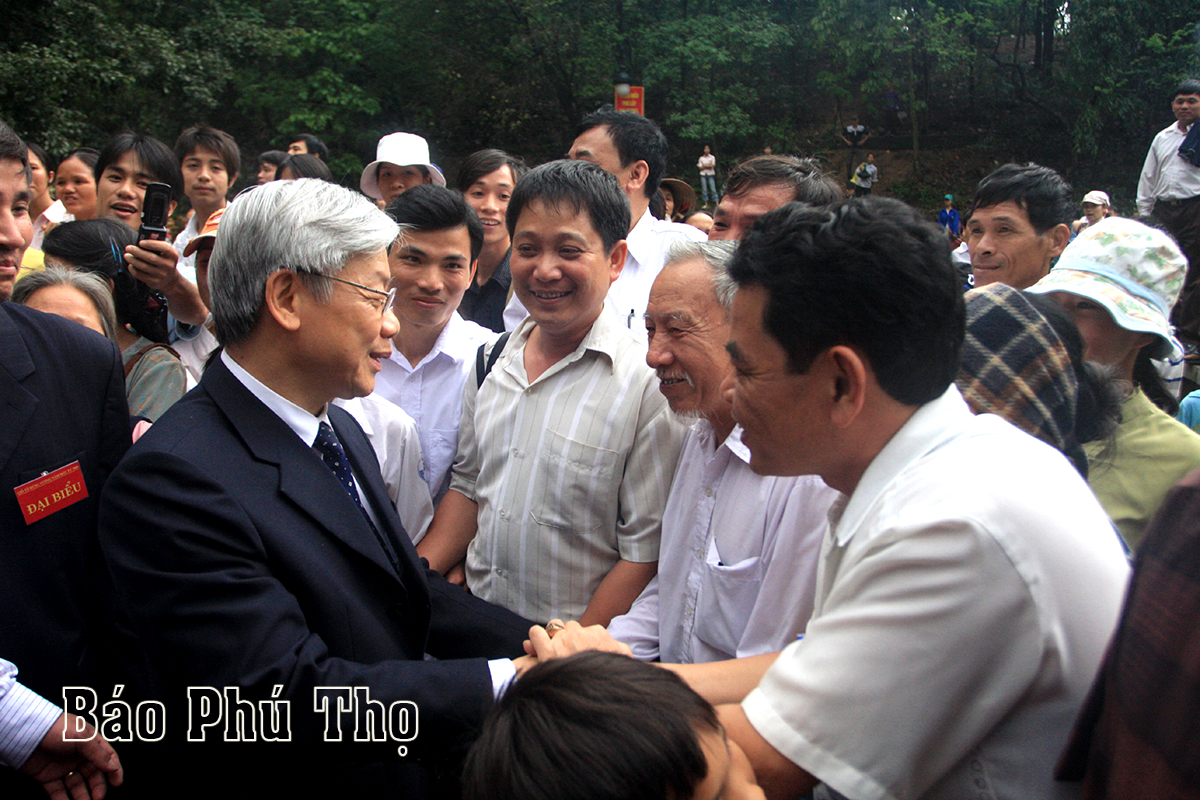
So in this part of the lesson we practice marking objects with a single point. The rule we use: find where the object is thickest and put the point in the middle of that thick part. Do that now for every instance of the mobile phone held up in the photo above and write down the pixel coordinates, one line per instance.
(156, 206)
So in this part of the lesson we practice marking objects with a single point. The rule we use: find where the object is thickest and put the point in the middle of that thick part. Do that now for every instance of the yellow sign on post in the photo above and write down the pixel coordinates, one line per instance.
(631, 102)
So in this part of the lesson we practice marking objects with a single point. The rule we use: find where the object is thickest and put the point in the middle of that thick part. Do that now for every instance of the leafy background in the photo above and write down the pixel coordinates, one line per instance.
(1080, 86)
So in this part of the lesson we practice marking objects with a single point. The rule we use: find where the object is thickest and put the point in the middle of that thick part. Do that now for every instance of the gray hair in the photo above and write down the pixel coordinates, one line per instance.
(716, 256)
(91, 285)
(308, 225)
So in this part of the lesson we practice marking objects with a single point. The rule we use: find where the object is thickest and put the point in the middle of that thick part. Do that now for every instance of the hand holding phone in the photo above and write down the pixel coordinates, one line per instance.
(156, 206)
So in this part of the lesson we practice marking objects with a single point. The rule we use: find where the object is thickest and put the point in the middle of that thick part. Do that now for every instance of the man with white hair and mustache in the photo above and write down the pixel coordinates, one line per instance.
(738, 557)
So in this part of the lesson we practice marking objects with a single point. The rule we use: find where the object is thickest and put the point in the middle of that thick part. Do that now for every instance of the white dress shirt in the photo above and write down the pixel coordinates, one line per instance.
(431, 393)
(194, 353)
(967, 591)
(1166, 175)
(186, 264)
(397, 445)
(649, 242)
(301, 421)
(738, 561)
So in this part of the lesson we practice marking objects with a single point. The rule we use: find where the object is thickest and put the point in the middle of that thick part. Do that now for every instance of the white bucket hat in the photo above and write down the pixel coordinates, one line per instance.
(1132, 270)
(403, 150)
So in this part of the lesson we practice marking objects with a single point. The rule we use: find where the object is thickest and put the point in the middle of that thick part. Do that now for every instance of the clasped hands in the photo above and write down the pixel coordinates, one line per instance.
(559, 639)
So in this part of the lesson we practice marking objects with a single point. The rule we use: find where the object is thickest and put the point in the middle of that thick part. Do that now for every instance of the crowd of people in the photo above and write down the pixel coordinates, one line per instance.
(376, 473)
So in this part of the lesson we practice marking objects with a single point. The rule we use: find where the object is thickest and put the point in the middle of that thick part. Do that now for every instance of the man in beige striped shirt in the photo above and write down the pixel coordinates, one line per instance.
(567, 449)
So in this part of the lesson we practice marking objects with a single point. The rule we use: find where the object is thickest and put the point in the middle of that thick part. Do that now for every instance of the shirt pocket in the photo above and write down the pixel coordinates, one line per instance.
(442, 444)
(578, 484)
(728, 593)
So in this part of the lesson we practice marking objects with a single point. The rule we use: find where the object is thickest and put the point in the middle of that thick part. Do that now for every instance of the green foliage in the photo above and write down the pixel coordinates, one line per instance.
(519, 74)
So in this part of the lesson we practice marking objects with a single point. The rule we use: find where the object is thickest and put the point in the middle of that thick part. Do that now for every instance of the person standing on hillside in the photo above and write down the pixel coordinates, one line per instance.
(708, 175)
(1169, 190)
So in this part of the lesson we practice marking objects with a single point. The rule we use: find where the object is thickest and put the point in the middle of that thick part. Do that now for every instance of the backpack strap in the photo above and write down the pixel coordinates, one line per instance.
(482, 368)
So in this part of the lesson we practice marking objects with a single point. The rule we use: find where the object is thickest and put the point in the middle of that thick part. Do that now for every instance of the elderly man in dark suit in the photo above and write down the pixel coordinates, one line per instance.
(253, 544)
(65, 426)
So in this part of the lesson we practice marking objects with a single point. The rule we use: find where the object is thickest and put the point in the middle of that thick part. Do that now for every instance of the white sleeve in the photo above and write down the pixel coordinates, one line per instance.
(25, 716)
(638, 628)
(1145, 190)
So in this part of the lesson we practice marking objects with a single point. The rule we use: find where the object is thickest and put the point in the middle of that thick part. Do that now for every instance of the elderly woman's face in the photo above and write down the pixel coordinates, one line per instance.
(68, 302)
(1104, 341)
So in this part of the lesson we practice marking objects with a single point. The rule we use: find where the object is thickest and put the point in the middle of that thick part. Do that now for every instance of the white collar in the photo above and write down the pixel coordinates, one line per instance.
(303, 423)
(927, 429)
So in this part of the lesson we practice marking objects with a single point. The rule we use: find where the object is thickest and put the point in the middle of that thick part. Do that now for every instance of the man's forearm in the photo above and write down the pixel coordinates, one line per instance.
(617, 591)
(779, 778)
(454, 526)
(725, 681)
(183, 299)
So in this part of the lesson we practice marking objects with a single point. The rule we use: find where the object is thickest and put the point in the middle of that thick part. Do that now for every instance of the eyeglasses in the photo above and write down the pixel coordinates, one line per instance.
(387, 298)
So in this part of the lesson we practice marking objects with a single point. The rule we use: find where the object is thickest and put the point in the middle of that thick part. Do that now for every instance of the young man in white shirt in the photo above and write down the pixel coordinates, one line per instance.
(209, 160)
(432, 264)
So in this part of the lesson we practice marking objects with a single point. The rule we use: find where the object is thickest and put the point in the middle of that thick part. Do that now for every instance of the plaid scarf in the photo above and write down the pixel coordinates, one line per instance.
(1014, 365)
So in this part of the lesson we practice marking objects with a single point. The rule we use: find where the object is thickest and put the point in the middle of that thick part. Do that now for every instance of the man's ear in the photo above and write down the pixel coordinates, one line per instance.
(171, 208)
(849, 375)
(474, 271)
(233, 179)
(1060, 237)
(284, 297)
(616, 260)
(638, 174)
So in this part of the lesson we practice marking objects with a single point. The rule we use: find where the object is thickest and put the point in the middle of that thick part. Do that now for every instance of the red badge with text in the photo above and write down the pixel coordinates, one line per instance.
(51, 492)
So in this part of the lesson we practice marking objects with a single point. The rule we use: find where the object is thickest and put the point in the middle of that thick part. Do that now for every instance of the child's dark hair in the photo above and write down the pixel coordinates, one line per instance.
(594, 726)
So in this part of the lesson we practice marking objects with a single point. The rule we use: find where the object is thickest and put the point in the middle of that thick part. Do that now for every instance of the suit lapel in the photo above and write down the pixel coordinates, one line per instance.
(303, 477)
(366, 469)
(19, 404)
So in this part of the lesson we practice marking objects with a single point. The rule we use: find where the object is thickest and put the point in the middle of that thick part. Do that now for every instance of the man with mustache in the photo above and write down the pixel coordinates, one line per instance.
(738, 557)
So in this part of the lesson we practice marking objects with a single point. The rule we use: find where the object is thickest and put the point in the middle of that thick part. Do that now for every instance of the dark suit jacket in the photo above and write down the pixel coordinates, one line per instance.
(239, 560)
(63, 395)
(62, 391)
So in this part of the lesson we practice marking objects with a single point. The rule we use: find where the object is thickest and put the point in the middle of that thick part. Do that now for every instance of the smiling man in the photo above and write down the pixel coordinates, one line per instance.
(126, 165)
(1021, 222)
(632, 148)
(926, 670)
(566, 449)
(738, 562)
(251, 539)
(432, 264)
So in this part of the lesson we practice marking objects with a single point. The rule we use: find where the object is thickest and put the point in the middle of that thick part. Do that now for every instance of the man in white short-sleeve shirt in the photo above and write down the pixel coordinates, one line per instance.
(738, 560)
(969, 582)
(432, 265)
(567, 448)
